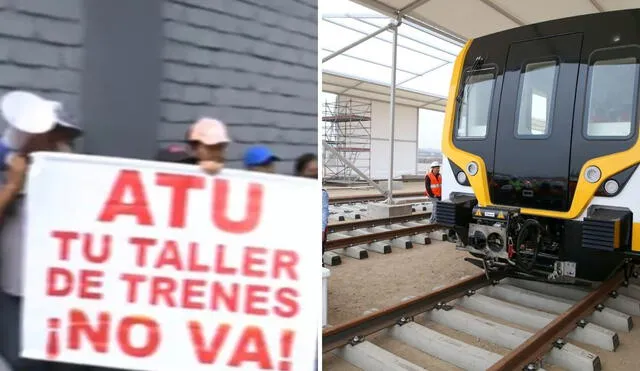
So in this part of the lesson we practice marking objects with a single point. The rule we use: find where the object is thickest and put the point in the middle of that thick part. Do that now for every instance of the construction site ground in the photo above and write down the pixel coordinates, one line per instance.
(380, 281)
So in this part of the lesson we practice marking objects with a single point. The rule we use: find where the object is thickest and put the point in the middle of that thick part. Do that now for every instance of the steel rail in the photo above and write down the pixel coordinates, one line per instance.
(341, 243)
(544, 340)
(370, 223)
(362, 198)
(354, 331)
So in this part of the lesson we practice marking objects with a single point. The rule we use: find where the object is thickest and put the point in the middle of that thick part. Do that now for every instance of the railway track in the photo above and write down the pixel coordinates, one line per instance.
(356, 239)
(534, 325)
(370, 198)
(359, 211)
(370, 223)
(386, 236)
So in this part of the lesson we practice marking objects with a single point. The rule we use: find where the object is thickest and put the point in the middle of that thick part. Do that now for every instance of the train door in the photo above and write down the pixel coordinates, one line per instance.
(533, 137)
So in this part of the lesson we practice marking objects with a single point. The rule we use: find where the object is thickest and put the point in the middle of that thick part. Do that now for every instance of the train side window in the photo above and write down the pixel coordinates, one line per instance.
(473, 113)
(612, 97)
(536, 97)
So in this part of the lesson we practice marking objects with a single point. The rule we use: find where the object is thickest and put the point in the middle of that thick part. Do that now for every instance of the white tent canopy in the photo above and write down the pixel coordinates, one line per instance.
(465, 19)
(431, 36)
(351, 86)
(424, 60)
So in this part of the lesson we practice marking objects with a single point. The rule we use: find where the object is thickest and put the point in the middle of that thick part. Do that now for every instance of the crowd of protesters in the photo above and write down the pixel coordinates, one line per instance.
(208, 140)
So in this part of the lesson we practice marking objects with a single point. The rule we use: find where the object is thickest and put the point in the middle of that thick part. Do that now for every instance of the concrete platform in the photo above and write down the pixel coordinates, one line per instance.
(380, 247)
(411, 200)
(589, 334)
(622, 303)
(331, 259)
(458, 353)
(380, 210)
(563, 298)
(569, 357)
(371, 357)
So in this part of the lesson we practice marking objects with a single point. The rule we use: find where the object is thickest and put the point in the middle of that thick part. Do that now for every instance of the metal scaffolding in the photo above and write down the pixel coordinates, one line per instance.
(347, 129)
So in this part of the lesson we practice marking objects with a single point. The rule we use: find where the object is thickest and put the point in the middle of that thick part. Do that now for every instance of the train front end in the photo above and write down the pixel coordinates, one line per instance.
(540, 148)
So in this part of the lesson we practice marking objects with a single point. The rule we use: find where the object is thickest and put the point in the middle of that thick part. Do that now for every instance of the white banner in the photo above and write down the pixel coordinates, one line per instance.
(155, 266)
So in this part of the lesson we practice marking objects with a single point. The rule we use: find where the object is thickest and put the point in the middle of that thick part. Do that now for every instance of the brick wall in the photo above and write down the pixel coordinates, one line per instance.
(41, 48)
(251, 63)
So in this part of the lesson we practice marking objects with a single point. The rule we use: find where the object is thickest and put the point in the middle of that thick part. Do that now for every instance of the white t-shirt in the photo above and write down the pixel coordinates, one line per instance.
(11, 249)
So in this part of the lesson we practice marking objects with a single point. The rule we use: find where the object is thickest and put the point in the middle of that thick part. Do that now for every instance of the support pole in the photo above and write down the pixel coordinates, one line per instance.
(392, 106)
(358, 42)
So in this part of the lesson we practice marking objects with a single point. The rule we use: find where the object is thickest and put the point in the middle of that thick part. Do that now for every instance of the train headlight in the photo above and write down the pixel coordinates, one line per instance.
(461, 177)
(592, 174)
(472, 168)
(611, 186)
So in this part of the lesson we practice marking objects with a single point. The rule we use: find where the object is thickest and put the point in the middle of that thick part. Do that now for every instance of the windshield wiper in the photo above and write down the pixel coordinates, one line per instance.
(477, 63)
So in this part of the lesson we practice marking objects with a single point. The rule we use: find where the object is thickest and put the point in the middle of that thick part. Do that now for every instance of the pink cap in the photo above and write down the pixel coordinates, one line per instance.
(208, 131)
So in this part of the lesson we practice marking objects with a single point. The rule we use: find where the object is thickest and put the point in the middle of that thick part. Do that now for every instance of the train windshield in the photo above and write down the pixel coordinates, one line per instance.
(536, 97)
(473, 116)
(612, 96)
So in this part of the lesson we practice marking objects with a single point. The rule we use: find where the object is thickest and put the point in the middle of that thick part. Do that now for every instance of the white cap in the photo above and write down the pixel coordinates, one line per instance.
(27, 113)
(435, 164)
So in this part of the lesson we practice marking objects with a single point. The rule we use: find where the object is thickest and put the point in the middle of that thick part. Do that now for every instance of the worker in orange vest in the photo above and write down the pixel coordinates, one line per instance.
(433, 182)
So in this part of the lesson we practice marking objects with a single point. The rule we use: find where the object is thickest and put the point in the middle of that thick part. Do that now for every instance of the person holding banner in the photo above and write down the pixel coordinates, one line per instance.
(33, 124)
(242, 294)
(209, 140)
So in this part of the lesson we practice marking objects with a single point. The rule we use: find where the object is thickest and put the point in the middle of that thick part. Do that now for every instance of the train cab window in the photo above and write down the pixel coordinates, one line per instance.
(612, 97)
(536, 97)
(473, 117)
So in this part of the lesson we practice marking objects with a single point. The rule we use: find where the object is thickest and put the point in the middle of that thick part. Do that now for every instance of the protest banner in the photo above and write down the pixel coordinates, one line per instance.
(144, 265)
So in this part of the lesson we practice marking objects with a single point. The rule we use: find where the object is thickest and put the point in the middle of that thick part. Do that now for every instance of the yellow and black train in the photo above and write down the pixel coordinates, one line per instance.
(541, 148)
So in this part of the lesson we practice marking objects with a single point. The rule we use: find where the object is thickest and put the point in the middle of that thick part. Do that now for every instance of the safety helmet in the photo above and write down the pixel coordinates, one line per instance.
(435, 164)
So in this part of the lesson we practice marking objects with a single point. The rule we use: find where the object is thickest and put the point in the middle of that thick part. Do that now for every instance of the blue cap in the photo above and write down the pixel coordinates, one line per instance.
(259, 155)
